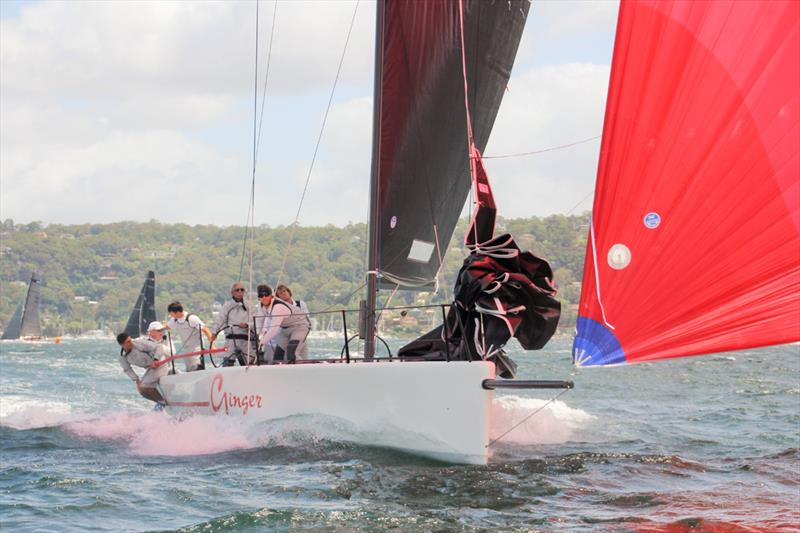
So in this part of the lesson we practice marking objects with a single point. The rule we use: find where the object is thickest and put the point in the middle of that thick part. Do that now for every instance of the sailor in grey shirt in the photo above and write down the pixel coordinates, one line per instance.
(234, 319)
(142, 353)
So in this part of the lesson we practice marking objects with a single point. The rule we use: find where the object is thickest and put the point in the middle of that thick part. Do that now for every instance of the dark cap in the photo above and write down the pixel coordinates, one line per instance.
(264, 290)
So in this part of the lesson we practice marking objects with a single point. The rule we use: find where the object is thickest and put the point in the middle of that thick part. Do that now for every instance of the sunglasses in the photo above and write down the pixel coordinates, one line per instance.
(238, 290)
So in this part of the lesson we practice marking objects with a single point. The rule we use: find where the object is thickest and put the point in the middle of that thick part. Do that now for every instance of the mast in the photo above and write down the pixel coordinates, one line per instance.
(374, 192)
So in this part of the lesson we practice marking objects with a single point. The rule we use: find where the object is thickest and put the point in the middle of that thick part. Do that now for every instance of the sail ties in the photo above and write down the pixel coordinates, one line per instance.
(498, 248)
(597, 274)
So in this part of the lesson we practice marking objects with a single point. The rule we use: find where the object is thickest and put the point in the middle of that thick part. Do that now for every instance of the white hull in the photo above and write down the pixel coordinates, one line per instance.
(430, 408)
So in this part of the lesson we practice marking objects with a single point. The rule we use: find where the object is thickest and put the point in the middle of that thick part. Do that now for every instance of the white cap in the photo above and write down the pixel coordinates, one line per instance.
(155, 326)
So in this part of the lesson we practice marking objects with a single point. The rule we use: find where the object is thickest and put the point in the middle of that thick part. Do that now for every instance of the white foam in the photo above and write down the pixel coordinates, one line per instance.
(555, 423)
(20, 412)
(159, 434)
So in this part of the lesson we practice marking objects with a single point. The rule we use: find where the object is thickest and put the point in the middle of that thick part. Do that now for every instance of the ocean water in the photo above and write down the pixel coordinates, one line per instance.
(699, 444)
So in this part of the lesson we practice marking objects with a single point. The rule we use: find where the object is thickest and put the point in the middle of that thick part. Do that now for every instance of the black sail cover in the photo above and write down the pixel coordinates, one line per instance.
(144, 311)
(421, 138)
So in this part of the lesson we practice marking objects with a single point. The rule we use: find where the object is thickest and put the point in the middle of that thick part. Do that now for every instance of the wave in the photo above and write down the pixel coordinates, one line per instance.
(19, 412)
(159, 434)
(554, 423)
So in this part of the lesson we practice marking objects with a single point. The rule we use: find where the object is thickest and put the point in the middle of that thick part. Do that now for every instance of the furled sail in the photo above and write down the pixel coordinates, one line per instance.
(30, 326)
(501, 292)
(694, 243)
(423, 174)
(144, 311)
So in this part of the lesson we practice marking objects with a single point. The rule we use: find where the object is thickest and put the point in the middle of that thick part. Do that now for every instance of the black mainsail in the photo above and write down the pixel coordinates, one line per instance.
(441, 71)
(421, 155)
(24, 324)
(144, 311)
(421, 173)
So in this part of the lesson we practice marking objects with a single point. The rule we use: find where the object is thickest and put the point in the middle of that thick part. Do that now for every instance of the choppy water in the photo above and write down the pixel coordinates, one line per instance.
(699, 444)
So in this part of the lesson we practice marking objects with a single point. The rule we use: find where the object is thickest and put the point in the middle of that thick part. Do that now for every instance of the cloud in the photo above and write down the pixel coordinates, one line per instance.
(136, 110)
(547, 107)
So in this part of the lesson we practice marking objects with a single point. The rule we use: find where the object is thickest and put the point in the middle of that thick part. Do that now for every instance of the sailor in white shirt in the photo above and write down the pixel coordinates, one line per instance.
(292, 328)
(264, 320)
(189, 329)
(142, 353)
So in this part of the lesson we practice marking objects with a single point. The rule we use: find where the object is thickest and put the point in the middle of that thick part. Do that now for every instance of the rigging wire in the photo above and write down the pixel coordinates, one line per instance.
(257, 137)
(551, 149)
(252, 207)
(316, 148)
(515, 426)
(266, 76)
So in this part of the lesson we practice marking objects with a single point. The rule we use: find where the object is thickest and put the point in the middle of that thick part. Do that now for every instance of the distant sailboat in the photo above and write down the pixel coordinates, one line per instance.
(24, 324)
(144, 310)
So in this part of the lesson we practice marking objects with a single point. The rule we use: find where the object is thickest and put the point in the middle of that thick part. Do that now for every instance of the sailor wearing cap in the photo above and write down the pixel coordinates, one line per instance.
(143, 353)
(156, 333)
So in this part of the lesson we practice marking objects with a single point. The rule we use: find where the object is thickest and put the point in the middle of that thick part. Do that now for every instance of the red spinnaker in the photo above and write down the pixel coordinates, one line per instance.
(694, 245)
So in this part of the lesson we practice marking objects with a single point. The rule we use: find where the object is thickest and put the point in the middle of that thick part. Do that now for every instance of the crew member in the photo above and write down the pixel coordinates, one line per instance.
(289, 327)
(143, 353)
(285, 293)
(234, 318)
(189, 329)
(263, 321)
(155, 332)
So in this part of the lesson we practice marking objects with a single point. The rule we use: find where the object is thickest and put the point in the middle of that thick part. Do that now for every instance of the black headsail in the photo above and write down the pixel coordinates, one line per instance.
(14, 325)
(421, 174)
(144, 311)
(24, 324)
(30, 327)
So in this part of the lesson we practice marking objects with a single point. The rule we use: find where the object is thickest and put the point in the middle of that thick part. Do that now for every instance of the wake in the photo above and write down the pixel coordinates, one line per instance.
(556, 423)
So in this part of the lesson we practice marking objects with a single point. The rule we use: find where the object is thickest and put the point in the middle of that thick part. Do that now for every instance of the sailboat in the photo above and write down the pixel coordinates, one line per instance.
(24, 323)
(144, 310)
(693, 243)
(420, 180)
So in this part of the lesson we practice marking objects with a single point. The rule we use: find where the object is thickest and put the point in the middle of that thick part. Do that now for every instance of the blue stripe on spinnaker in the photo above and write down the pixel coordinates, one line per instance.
(595, 345)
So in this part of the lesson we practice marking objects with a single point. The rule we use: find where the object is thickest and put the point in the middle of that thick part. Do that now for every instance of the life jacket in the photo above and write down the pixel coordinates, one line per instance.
(297, 318)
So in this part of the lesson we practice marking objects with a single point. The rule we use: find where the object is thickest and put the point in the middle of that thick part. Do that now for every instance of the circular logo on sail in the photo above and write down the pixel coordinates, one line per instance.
(619, 256)
(652, 220)
(393, 222)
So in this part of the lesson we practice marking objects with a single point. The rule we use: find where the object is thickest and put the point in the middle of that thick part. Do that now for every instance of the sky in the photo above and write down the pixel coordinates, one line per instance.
(113, 111)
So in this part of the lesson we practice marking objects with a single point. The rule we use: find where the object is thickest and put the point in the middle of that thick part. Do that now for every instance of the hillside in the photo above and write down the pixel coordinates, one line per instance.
(91, 273)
